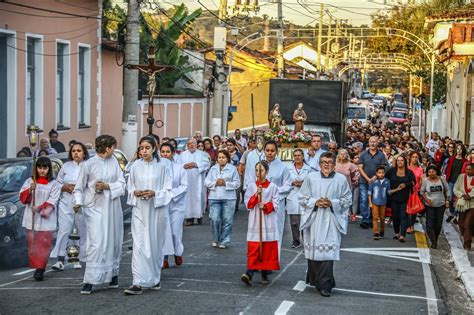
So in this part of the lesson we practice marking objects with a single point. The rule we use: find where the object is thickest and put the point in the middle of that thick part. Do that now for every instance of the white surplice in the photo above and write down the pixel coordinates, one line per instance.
(322, 229)
(253, 158)
(104, 217)
(278, 174)
(43, 193)
(68, 175)
(313, 161)
(194, 204)
(292, 201)
(149, 219)
(269, 221)
(174, 233)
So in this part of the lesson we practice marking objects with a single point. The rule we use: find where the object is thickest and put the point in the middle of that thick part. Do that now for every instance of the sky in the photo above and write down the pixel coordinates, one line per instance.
(356, 11)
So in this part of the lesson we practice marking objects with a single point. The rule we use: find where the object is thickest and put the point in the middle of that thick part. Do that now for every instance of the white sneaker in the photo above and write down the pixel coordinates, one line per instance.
(58, 266)
(222, 246)
(214, 244)
(77, 265)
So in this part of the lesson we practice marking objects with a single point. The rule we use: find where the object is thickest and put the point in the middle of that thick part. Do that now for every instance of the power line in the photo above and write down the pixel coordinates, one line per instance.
(53, 41)
(50, 55)
(53, 11)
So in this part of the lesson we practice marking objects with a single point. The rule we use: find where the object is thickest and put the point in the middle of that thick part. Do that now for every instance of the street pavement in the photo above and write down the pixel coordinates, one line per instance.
(372, 277)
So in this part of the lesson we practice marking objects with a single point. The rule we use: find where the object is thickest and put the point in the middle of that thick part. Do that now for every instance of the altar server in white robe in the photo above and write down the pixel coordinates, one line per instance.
(174, 233)
(67, 177)
(280, 176)
(326, 198)
(98, 189)
(196, 164)
(298, 170)
(253, 158)
(149, 193)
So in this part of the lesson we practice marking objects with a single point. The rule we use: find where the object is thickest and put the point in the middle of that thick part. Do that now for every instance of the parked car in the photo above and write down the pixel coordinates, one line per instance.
(378, 101)
(398, 117)
(13, 173)
(358, 112)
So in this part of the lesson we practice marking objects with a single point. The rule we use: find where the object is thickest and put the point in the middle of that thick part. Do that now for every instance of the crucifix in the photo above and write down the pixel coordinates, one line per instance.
(151, 70)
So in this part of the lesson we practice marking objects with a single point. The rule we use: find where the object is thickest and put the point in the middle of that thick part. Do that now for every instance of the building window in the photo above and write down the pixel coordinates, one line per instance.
(62, 86)
(31, 99)
(83, 87)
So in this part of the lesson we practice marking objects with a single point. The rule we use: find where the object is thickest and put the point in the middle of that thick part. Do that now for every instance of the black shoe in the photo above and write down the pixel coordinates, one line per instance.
(376, 237)
(133, 290)
(364, 225)
(199, 221)
(449, 218)
(434, 245)
(265, 279)
(325, 293)
(38, 275)
(246, 278)
(86, 289)
(382, 234)
(401, 239)
(156, 287)
(114, 283)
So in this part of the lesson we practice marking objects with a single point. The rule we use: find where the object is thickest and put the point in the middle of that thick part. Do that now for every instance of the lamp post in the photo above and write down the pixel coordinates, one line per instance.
(33, 134)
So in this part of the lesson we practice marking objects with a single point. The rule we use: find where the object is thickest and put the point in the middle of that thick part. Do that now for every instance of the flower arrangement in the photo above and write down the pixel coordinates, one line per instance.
(287, 136)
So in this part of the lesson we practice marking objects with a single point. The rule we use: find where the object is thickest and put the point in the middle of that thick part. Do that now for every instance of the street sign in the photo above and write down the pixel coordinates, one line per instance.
(232, 109)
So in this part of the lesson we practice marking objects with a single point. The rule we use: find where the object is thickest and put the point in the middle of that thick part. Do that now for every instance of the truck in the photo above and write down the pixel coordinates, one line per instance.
(324, 102)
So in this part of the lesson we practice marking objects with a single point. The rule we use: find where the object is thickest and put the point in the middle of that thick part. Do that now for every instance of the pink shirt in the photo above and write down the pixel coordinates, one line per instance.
(350, 171)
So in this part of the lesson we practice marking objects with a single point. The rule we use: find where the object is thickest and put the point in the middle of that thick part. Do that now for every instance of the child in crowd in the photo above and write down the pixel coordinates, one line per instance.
(377, 193)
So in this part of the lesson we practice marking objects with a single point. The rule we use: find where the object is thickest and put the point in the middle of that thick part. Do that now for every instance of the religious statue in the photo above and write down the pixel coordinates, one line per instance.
(274, 118)
(299, 118)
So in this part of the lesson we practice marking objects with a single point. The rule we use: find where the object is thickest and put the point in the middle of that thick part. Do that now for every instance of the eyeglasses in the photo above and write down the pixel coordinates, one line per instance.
(326, 162)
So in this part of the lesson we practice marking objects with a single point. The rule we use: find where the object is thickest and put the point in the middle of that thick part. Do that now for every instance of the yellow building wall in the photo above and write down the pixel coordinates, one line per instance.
(253, 80)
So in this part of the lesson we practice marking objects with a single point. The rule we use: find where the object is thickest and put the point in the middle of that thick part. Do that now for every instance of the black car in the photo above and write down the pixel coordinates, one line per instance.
(13, 173)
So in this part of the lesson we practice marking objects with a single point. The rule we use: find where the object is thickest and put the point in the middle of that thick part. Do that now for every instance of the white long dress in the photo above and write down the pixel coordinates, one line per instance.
(174, 234)
(68, 175)
(278, 174)
(194, 204)
(322, 229)
(104, 217)
(292, 202)
(149, 219)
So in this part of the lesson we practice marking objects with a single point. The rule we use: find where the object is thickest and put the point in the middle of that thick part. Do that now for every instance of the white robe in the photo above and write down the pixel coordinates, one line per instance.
(322, 229)
(313, 161)
(278, 174)
(43, 193)
(194, 204)
(252, 159)
(174, 233)
(269, 222)
(292, 202)
(104, 217)
(149, 219)
(68, 175)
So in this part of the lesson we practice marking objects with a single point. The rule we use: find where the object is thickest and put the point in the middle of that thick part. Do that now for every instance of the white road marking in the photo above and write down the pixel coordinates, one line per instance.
(284, 307)
(23, 272)
(249, 306)
(207, 292)
(300, 286)
(411, 254)
(386, 294)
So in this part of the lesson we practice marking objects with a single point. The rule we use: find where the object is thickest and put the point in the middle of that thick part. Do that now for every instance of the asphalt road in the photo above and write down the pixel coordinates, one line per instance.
(372, 277)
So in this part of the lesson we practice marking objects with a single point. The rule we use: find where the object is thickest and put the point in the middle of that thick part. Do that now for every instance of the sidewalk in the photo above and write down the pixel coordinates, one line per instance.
(462, 259)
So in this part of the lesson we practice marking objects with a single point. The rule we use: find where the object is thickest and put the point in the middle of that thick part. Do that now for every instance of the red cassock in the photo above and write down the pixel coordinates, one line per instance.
(269, 259)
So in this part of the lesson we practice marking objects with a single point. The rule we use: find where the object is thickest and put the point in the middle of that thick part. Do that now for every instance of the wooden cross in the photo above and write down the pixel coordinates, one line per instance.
(150, 69)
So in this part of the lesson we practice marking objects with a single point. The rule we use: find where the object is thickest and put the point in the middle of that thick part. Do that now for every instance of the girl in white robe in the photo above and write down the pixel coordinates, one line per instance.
(98, 189)
(67, 177)
(174, 233)
(40, 207)
(149, 193)
(298, 172)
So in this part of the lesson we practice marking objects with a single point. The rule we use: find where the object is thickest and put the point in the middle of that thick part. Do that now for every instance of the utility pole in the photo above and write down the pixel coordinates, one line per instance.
(280, 48)
(328, 45)
(219, 104)
(320, 35)
(130, 80)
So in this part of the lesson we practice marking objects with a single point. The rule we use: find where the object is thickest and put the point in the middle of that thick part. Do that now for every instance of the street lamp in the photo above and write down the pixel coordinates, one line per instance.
(33, 133)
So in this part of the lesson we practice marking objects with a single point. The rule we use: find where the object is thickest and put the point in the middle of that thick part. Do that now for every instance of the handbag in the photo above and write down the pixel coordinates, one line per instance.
(414, 204)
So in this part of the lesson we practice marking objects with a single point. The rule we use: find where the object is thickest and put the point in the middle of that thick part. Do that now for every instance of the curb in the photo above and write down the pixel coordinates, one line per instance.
(460, 259)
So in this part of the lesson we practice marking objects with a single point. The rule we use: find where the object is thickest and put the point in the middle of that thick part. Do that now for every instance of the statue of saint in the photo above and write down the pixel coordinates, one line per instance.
(274, 118)
(299, 118)
(151, 83)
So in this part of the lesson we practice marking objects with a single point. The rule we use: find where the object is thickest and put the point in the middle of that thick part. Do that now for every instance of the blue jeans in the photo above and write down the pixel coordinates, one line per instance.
(221, 215)
(452, 210)
(364, 202)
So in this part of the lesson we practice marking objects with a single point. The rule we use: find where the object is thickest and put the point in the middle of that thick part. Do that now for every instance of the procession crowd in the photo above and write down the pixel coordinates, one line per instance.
(381, 176)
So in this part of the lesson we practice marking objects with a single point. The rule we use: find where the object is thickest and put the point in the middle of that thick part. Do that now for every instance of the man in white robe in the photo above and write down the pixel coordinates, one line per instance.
(253, 158)
(196, 164)
(325, 197)
(312, 155)
(98, 189)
